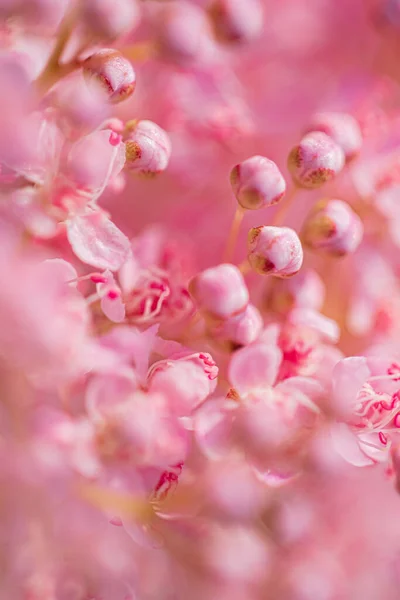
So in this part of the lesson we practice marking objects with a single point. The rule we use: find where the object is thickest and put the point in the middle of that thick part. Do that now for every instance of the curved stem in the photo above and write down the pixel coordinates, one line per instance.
(233, 234)
(280, 214)
(53, 71)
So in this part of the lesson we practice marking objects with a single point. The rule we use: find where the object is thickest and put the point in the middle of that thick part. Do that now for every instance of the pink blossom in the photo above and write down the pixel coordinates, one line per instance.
(173, 425)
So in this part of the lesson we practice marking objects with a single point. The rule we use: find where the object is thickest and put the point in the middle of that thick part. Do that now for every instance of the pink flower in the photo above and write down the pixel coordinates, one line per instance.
(365, 395)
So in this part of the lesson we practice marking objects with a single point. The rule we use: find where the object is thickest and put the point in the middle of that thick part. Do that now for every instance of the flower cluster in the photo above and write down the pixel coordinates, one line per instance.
(199, 300)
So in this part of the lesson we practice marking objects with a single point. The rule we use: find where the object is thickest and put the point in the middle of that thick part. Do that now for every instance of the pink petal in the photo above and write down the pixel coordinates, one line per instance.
(327, 328)
(60, 269)
(113, 308)
(254, 366)
(105, 392)
(308, 390)
(348, 377)
(96, 241)
(347, 446)
(93, 161)
(213, 426)
(132, 345)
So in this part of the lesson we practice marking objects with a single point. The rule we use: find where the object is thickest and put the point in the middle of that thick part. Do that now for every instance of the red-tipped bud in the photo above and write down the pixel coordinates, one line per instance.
(113, 71)
(108, 20)
(148, 147)
(334, 227)
(237, 21)
(342, 128)
(274, 251)
(315, 160)
(220, 291)
(257, 182)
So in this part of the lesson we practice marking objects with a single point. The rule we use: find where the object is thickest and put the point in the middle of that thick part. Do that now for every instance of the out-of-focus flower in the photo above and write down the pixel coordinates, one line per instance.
(334, 227)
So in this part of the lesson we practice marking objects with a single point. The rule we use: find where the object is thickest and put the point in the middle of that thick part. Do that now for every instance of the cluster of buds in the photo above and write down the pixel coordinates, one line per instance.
(172, 421)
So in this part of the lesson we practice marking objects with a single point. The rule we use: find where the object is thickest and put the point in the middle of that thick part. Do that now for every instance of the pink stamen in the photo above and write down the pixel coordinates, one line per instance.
(383, 438)
(113, 294)
(115, 138)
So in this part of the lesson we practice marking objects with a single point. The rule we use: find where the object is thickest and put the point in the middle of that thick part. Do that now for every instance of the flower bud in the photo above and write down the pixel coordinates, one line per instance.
(186, 382)
(148, 147)
(342, 128)
(333, 226)
(108, 20)
(257, 182)
(316, 160)
(220, 291)
(239, 330)
(274, 251)
(184, 34)
(113, 71)
(82, 108)
(236, 20)
(307, 290)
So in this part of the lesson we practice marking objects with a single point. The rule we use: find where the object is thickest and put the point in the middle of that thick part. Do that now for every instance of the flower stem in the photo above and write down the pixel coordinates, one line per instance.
(53, 71)
(233, 234)
(281, 213)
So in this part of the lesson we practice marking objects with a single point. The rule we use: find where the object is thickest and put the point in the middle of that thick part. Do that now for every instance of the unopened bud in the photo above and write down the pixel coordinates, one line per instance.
(148, 147)
(257, 182)
(342, 128)
(334, 227)
(113, 71)
(307, 290)
(274, 251)
(316, 160)
(108, 20)
(239, 330)
(236, 20)
(220, 291)
(184, 33)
